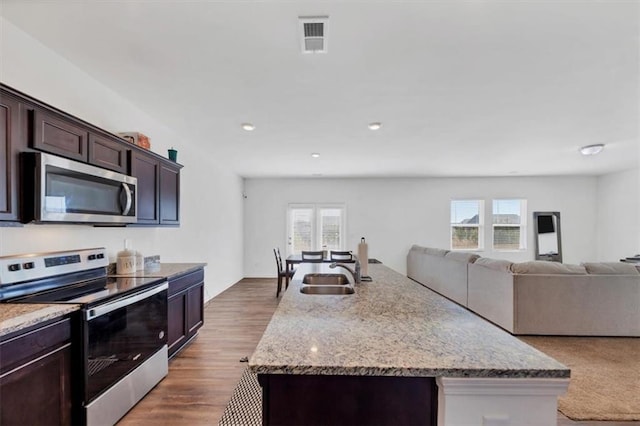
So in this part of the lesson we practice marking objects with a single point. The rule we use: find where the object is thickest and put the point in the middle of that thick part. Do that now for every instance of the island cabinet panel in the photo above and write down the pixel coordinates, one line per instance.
(185, 309)
(108, 153)
(36, 377)
(169, 194)
(59, 135)
(354, 400)
(147, 170)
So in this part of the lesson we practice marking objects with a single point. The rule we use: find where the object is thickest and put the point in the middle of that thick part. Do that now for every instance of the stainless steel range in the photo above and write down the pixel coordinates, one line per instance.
(122, 329)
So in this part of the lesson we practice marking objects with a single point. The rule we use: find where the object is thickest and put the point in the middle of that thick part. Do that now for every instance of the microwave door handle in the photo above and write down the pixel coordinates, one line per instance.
(127, 206)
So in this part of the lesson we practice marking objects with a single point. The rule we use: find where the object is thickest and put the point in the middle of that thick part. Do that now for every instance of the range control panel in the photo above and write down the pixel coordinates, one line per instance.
(27, 267)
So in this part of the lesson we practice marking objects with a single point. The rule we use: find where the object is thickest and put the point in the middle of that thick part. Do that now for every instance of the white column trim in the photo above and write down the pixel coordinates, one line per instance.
(494, 401)
(501, 386)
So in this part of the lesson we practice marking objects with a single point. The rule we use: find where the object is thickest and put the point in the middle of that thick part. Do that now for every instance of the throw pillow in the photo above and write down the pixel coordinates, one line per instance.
(610, 268)
(546, 267)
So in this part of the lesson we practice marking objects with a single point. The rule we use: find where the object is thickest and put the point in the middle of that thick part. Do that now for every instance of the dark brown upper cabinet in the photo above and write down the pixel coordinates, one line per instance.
(146, 169)
(169, 194)
(27, 124)
(11, 143)
(108, 153)
(158, 189)
(58, 135)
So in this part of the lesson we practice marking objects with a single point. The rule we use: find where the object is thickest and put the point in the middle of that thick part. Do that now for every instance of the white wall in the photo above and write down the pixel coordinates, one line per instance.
(618, 212)
(211, 199)
(393, 214)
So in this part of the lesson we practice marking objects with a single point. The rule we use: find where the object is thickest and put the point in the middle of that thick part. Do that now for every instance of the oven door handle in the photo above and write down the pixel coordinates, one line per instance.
(93, 313)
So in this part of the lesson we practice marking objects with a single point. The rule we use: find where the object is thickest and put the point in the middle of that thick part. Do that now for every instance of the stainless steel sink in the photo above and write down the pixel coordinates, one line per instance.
(325, 279)
(326, 289)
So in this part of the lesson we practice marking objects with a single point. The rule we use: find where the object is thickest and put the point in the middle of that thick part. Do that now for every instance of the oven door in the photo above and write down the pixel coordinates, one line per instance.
(69, 191)
(121, 335)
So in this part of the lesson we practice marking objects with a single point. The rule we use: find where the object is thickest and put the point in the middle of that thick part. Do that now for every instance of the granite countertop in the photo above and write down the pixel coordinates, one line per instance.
(391, 326)
(17, 316)
(165, 270)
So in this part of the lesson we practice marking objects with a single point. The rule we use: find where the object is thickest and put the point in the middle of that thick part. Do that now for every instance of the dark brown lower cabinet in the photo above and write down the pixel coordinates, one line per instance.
(185, 309)
(36, 377)
(311, 400)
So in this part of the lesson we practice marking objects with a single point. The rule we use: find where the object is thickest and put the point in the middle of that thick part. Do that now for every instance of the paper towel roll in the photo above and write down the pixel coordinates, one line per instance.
(363, 256)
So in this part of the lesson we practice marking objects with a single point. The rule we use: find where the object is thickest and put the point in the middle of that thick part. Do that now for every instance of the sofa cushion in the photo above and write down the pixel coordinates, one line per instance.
(435, 251)
(610, 268)
(497, 264)
(546, 267)
(462, 256)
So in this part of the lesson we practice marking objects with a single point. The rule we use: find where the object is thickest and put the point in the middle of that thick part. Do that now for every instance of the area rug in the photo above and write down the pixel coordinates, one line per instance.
(245, 406)
(605, 375)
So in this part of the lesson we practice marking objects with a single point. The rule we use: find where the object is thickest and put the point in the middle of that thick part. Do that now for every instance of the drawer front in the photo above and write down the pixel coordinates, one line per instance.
(176, 285)
(25, 347)
(58, 136)
(108, 154)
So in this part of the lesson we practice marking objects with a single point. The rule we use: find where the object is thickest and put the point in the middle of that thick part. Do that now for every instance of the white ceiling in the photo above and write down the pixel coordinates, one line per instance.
(463, 88)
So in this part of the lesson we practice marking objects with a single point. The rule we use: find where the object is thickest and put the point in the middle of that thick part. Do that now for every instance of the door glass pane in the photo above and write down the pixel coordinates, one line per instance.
(330, 229)
(301, 229)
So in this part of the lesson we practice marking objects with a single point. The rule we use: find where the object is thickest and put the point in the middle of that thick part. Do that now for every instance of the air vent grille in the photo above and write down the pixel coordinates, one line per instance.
(314, 29)
(314, 34)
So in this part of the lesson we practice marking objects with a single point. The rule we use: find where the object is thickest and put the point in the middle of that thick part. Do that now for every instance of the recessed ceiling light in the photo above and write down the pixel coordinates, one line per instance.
(315, 155)
(375, 126)
(248, 127)
(592, 149)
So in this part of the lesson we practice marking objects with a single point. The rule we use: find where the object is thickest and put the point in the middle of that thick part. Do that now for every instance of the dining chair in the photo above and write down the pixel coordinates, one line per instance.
(312, 256)
(340, 255)
(282, 272)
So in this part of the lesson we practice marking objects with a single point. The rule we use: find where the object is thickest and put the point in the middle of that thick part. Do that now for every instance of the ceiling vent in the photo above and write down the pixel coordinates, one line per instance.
(313, 33)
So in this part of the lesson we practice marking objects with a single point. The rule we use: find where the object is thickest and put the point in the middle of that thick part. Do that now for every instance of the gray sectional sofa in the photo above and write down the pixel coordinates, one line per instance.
(538, 297)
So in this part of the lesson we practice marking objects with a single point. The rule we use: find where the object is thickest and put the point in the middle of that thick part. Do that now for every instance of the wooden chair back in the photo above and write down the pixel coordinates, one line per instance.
(340, 255)
(312, 256)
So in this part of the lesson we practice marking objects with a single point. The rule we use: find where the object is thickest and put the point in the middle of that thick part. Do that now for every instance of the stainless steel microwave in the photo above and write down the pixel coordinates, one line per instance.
(57, 189)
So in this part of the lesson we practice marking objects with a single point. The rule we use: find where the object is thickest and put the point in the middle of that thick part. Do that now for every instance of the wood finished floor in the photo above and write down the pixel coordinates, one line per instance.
(203, 376)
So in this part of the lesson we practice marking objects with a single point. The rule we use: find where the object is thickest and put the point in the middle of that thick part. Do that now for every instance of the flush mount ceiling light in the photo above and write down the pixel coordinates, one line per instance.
(592, 149)
(375, 125)
(315, 155)
(248, 127)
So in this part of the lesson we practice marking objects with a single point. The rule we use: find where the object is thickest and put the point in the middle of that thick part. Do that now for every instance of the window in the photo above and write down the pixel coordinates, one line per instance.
(467, 224)
(315, 227)
(509, 224)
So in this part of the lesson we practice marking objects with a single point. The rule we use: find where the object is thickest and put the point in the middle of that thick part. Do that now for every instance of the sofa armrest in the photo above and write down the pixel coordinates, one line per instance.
(491, 295)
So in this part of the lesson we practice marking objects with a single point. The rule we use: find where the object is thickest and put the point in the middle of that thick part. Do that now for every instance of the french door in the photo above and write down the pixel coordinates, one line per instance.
(315, 227)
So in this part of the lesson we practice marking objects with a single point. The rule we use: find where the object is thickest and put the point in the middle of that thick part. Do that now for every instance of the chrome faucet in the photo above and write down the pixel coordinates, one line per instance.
(354, 273)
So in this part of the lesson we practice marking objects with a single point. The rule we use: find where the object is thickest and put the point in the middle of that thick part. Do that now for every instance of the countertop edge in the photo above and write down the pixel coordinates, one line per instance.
(19, 316)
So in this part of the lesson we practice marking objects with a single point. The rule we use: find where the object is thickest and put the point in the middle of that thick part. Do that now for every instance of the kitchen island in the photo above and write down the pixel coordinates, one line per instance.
(395, 348)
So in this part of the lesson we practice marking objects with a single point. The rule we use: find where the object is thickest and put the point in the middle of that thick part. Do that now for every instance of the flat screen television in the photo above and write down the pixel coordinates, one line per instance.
(545, 225)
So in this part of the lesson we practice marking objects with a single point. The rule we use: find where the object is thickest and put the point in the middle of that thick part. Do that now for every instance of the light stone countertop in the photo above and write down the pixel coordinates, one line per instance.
(165, 270)
(392, 326)
(17, 316)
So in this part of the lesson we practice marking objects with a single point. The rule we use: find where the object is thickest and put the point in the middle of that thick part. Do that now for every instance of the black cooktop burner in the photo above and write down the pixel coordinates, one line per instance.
(91, 293)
